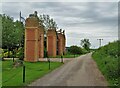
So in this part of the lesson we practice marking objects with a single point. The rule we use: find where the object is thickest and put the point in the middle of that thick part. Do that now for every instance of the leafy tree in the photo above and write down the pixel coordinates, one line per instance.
(7, 31)
(75, 50)
(47, 21)
(12, 33)
(86, 44)
(0, 30)
(19, 31)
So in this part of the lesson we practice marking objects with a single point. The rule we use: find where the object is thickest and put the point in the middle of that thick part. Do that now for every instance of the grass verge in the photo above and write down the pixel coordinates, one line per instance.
(68, 56)
(109, 68)
(13, 76)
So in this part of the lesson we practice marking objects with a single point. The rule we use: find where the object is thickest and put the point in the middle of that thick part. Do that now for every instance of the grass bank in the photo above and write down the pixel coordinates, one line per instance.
(13, 76)
(106, 58)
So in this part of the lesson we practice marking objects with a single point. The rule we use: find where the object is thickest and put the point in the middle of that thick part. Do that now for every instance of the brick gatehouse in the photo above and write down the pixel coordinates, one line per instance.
(36, 42)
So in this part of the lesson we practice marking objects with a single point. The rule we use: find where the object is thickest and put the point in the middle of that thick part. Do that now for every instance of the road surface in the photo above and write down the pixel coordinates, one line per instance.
(80, 71)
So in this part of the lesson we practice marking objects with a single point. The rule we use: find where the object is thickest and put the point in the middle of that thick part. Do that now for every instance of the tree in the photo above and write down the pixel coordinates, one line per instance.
(86, 44)
(19, 31)
(7, 31)
(47, 22)
(75, 50)
(12, 32)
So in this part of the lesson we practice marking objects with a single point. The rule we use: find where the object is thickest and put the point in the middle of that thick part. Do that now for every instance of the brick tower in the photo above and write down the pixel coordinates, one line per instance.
(64, 41)
(34, 39)
(60, 42)
(41, 41)
(51, 42)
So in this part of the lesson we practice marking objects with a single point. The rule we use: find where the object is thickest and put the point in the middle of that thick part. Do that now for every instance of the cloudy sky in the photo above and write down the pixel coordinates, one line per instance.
(92, 20)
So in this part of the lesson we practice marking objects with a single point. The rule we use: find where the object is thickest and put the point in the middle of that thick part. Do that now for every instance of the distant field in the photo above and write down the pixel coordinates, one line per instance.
(13, 76)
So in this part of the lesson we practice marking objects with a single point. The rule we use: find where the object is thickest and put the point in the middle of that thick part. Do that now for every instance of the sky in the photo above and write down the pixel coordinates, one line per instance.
(91, 20)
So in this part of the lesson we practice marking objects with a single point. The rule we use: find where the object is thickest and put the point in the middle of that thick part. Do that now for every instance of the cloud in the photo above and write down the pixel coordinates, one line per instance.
(79, 19)
(59, 1)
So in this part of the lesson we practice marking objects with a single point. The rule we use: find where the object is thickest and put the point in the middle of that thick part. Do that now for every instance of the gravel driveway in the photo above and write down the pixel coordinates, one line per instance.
(80, 71)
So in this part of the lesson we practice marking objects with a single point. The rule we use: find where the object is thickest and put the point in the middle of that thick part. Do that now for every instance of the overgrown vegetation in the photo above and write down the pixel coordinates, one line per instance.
(107, 61)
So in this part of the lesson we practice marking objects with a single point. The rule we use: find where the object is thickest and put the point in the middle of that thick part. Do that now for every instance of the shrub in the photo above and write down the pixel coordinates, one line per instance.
(75, 50)
(5, 53)
(20, 53)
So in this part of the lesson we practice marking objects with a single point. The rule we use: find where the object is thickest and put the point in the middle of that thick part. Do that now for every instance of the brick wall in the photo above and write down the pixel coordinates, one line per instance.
(34, 40)
(64, 43)
(51, 42)
(41, 42)
(60, 44)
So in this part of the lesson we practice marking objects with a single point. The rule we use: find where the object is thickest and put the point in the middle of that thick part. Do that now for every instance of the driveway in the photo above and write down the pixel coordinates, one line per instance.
(80, 71)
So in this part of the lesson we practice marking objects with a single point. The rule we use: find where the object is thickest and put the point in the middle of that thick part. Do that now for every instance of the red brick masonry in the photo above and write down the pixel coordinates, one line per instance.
(34, 40)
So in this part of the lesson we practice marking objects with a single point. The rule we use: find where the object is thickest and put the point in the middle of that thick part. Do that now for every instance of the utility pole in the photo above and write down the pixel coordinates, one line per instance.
(20, 16)
(100, 42)
(22, 42)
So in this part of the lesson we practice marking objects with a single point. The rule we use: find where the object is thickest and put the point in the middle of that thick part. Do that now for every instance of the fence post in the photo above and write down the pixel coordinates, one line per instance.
(48, 59)
(23, 74)
(61, 59)
(49, 62)
(13, 55)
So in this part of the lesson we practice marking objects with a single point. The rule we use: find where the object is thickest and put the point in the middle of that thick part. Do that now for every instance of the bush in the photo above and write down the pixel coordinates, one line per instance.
(5, 53)
(1, 53)
(84, 51)
(20, 53)
(75, 50)
(17, 53)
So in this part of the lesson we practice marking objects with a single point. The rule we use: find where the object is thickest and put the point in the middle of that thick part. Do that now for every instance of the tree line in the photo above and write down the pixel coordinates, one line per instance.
(85, 43)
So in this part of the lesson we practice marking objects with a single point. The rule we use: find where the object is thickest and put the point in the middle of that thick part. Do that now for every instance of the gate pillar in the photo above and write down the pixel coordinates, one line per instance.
(31, 39)
(51, 42)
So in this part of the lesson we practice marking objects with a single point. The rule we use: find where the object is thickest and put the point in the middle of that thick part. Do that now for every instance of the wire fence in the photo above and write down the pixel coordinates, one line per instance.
(11, 77)
(33, 69)
(7, 69)
(16, 71)
(19, 70)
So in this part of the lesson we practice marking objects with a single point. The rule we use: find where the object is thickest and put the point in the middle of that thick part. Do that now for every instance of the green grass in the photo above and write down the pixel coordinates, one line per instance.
(106, 58)
(68, 56)
(0, 73)
(13, 76)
